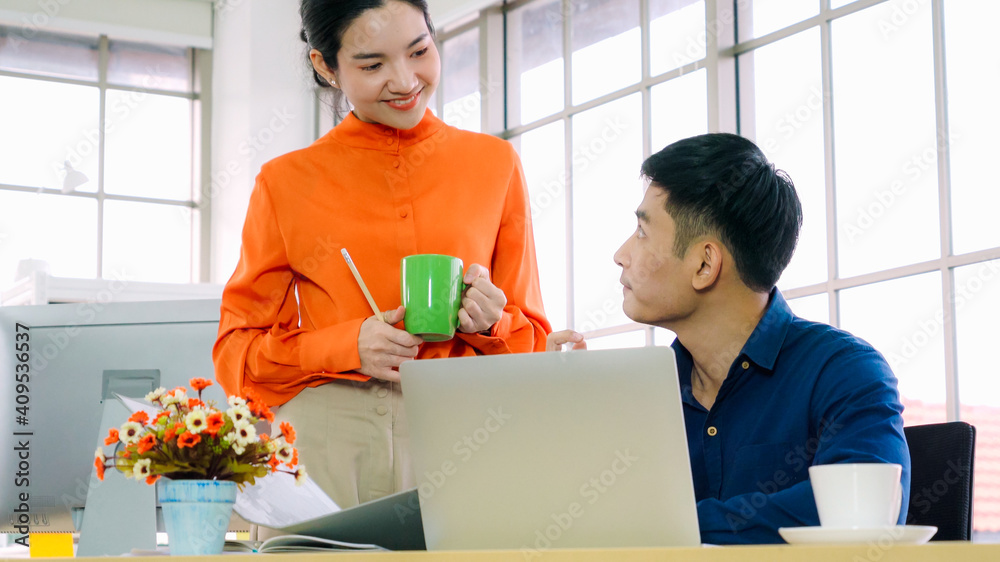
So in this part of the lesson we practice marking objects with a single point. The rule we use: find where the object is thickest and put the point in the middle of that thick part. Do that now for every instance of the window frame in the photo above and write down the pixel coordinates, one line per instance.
(200, 199)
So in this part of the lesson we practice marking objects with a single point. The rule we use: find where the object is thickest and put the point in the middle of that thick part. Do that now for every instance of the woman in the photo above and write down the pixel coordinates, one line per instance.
(389, 181)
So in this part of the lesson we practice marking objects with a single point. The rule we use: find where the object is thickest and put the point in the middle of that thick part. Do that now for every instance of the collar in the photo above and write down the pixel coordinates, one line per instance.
(373, 136)
(764, 343)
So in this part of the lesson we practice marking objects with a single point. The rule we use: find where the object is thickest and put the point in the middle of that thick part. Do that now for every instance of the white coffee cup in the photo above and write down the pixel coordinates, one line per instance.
(857, 495)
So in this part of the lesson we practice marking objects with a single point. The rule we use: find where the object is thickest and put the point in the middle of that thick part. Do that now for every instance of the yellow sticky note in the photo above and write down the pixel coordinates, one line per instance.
(50, 545)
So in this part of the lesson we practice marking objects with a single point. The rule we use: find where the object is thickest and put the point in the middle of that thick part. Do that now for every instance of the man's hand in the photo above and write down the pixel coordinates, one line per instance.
(556, 340)
(383, 348)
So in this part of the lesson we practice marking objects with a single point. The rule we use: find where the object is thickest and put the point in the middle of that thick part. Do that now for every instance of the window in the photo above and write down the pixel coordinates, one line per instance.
(887, 134)
(882, 112)
(119, 118)
(461, 95)
(583, 129)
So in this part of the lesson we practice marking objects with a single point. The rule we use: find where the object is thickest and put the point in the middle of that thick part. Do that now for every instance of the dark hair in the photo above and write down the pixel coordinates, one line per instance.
(722, 184)
(325, 21)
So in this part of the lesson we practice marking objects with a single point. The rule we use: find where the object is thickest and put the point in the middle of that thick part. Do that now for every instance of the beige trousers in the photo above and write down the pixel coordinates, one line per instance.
(352, 438)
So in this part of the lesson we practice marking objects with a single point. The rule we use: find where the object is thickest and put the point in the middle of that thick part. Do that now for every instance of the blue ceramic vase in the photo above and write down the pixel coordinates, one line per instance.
(196, 514)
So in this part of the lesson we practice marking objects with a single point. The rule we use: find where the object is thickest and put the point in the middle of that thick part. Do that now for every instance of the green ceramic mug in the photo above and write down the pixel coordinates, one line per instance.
(431, 286)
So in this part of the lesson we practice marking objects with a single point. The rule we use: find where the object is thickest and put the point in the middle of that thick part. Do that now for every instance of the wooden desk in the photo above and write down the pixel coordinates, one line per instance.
(942, 551)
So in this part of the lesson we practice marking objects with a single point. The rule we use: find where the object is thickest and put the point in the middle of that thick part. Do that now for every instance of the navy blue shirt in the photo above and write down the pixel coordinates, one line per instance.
(799, 393)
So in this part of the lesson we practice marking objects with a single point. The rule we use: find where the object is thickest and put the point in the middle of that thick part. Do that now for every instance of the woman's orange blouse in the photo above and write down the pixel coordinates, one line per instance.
(292, 311)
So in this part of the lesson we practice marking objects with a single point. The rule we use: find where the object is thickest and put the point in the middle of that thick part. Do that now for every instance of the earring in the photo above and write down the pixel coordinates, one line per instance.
(332, 82)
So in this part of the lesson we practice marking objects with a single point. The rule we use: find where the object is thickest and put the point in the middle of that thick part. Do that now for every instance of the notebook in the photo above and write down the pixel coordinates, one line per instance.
(551, 450)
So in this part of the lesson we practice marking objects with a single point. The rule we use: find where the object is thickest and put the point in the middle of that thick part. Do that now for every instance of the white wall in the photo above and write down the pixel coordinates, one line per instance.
(186, 23)
(262, 107)
(444, 12)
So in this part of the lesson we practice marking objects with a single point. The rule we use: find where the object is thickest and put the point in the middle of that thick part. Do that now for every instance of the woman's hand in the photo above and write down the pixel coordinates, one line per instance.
(483, 302)
(556, 340)
(383, 348)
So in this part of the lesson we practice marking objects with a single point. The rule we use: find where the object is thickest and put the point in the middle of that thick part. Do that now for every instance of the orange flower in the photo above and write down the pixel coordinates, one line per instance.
(295, 458)
(100, 468)
(152, 479)
(188, 439)
(288, 431)
(200, 384)
(257, 406)
(161, 415)
(194, 402)
(214, 423)
(140, 417)
(146, 443)
(172, 431)
(112, 436)
(264, 438)
(273, 463)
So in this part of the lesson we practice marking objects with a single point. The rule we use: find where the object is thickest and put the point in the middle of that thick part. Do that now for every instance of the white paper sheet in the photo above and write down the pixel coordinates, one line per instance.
(275, 501)
(134, 405)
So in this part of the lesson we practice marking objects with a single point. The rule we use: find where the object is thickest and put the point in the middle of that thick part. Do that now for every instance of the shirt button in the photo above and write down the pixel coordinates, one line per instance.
(389, 141)
(387, 131)
(381, 410)
(712, 431)
(395, 164)
(382, 393)
(403, 214)
(746, 364)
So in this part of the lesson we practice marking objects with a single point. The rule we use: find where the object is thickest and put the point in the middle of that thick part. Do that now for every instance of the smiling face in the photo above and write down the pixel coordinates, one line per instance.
(657, 283)
(388, 65)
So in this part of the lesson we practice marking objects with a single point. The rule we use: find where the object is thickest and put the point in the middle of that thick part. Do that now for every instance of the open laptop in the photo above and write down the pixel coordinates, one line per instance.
(551, 450)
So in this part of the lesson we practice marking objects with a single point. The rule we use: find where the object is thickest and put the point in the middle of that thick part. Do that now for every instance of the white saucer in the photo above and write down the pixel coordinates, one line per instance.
(898, 534)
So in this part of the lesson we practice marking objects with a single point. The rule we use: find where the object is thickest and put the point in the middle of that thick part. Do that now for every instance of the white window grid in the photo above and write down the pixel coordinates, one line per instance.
(201, 119)
(730, 108)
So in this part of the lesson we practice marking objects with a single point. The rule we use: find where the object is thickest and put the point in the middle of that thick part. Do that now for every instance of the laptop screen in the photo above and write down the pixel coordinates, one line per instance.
(551, 450)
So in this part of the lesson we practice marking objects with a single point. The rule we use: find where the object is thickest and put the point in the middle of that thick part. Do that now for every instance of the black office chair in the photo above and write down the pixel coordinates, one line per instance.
(941, 457)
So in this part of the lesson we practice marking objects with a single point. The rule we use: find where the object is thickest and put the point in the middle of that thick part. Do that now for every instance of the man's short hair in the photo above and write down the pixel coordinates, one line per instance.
(721, 184)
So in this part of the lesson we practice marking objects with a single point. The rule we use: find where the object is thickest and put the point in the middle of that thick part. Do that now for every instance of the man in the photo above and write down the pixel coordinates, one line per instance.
(766, 394)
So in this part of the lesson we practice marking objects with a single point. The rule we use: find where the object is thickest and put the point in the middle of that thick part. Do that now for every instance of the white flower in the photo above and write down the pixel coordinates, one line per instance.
(271, 446)
(245, 434)
(236, 401)
(285, 452)
(177, 396)
(300, 475)
(140, 469)
(238, 449)
(195, 421)
(130, 433)
(155, 395)
(239, 415)
(99, 455)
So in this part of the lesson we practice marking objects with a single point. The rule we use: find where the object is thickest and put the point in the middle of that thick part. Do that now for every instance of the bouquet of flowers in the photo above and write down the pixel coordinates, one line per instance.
(190, 439)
